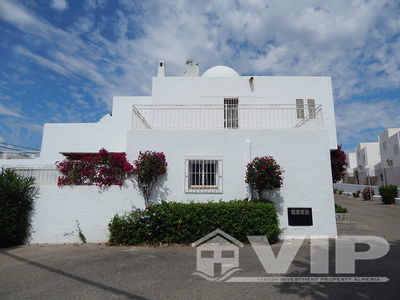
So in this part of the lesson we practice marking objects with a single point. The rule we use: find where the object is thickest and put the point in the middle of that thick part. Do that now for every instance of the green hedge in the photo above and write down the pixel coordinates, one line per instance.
(340, 210)
(388, 193)
(17, 195)
(184, 223)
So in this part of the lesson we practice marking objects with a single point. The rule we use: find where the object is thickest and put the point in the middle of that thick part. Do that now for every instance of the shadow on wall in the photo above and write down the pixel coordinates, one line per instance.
(275, 197)
(159, 192)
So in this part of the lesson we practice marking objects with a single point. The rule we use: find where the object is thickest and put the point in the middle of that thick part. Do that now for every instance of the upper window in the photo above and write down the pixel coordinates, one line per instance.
(300, 108)
(231, 113)
(384, 145)
(396, 148)
(203, 175)
(311, 108)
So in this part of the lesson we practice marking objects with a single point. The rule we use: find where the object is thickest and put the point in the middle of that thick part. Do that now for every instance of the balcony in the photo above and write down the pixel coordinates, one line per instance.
(267, 116)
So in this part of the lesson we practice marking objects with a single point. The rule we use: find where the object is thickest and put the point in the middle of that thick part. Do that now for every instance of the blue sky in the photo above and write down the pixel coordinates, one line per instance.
(62, 61)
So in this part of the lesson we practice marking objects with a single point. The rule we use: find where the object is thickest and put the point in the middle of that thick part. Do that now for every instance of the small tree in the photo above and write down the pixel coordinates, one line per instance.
(17, 195)
(147, 170)
(338, 164)
(264, 173)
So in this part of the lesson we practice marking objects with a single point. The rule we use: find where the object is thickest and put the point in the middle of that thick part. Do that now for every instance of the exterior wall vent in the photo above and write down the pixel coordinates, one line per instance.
(300, 216)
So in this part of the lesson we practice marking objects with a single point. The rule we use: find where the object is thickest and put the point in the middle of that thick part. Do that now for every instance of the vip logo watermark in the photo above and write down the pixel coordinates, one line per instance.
(218, 257)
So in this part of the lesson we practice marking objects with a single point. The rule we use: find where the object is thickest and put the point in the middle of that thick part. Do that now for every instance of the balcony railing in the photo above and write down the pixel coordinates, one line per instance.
(44, 175)
(269, 116)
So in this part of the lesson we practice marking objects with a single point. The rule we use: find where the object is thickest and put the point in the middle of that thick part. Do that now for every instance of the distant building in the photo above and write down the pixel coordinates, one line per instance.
(389, 142)
(351, 159)
(368, 156)
(17, 155)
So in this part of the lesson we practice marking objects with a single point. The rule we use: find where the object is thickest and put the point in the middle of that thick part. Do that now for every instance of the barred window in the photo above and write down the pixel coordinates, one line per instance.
(203, 175)
(300, 108)
(311, 108)
(231, 113)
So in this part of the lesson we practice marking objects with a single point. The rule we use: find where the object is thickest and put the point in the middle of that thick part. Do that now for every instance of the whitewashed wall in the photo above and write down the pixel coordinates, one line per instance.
(303, 154)
(57, 210)
(305, 184)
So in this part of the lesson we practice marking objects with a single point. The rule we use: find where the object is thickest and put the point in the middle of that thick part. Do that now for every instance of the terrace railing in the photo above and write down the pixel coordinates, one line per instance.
(44, 175)
(269, 116)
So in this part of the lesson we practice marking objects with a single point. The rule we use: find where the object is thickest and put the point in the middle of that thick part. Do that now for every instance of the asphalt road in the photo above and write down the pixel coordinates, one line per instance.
(99, 272)
(371, 217)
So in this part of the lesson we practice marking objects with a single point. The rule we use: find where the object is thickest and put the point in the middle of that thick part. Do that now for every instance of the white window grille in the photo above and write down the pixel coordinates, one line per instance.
(231, 113)
(311, 108)
(203, 175)
(300, 108)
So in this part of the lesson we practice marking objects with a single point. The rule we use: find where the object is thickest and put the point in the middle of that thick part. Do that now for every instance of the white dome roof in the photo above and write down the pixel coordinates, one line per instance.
(220, 71)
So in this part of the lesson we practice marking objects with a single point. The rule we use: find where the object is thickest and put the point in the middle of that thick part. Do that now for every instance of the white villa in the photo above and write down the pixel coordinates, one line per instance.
(389, 142)
(351, 159)
(219, 121)
(368, 160)
(376, 163)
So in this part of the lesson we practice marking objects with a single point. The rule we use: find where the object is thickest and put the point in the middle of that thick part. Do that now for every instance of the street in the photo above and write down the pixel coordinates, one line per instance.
(100, 272)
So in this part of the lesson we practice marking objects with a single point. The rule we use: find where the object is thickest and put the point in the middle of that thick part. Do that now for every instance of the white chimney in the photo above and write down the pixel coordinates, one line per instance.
(161, 69)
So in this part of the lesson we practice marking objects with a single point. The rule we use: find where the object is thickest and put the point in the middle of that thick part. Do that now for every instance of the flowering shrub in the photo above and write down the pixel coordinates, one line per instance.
(264, 173)
(338, 164)
(102, 169)
(367, 193)
(147, 170)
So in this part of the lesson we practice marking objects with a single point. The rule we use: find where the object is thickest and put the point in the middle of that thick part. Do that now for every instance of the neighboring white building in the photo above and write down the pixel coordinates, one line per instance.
(351, 159)
(217, 122)
(368, 156)
(389, 142)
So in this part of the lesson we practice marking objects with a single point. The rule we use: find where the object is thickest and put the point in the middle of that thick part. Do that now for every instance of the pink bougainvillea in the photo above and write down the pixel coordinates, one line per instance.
(102, 169)
(338, 164)
(264, 173)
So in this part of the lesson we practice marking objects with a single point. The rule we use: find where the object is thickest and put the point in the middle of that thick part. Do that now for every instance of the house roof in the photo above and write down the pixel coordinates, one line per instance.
(78, 155)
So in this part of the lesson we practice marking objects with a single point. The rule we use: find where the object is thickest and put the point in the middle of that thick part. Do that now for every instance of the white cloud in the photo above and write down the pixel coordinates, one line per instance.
(354, 41)
(59, 5)
(9, 112)
(363, 122)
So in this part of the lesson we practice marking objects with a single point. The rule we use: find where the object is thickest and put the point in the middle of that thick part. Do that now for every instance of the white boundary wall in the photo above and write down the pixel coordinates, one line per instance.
(352, 188)
(57, 210)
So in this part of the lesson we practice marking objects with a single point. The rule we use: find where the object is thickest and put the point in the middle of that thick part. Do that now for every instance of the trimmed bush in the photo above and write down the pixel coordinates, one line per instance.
(367, 193)
(388, 193)
(17, 195)
(356, 194)
(184, 223)
(339, 209)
